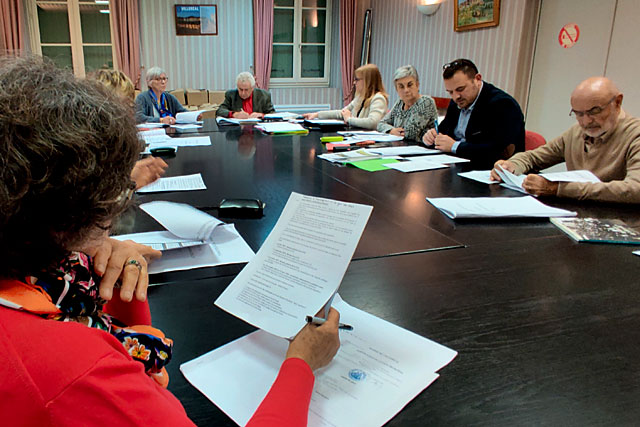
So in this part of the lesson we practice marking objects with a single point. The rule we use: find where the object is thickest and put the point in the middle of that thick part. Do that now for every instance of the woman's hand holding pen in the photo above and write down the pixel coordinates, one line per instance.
(317, 345)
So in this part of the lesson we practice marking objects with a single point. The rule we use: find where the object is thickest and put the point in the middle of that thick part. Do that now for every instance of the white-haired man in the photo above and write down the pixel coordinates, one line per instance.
(246, 101)
(606, 141)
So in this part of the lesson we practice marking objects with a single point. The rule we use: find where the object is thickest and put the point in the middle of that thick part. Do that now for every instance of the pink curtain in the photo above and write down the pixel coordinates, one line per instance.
(126, 37)
(347, 46)
(11, 28)
(262, 41)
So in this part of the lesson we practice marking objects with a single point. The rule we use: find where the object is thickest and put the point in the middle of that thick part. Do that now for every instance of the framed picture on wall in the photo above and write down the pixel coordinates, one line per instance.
(471, 14)
(196, 19)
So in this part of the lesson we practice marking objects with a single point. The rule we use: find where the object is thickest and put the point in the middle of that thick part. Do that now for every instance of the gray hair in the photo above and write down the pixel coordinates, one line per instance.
(154, 73)
(406, 71)
(246, 77)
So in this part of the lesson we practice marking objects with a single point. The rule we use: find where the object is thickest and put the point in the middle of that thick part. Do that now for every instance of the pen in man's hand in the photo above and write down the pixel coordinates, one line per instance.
(319, 321)
(435, 125)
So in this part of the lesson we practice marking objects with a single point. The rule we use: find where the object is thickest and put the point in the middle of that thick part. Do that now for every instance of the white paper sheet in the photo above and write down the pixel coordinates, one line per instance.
(227, 121)
(636, 253)
(159, 240)
(280, 127)
(408, 150)
(300, 265)
(440, 158)
(191, 141)
(480, 176)
(415, 166)
(149, 125)
(372, 135)
(379, 368)
(325, 121)
(491, 207)
(283, 115)
(186, 126)
(511, 181)
(175, 183)
(188, 116)
(183, 220)
(571, 176)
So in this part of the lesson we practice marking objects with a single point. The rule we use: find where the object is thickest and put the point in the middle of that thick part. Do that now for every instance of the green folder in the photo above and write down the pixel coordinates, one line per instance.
(372, 165)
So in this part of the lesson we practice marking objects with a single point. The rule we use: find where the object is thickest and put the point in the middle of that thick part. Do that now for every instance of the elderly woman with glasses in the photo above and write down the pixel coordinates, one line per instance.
(413, 114)
(68, 357)
(156, 105)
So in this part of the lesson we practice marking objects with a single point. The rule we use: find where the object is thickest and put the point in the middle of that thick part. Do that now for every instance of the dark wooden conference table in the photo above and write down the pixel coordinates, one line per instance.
(547, 330)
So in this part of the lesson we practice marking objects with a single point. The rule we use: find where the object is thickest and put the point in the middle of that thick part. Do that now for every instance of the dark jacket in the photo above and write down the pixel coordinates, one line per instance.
(144, 107)
(495, 124)
(233, 102)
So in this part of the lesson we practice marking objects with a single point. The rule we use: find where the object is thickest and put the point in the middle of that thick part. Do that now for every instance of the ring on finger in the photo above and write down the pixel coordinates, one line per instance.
(134, 262)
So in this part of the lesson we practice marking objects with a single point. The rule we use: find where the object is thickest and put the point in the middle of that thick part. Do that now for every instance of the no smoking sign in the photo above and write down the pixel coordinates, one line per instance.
(569, 35)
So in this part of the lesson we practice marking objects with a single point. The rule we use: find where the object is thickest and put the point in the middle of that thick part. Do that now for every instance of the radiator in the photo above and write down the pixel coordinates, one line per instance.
(301, 108)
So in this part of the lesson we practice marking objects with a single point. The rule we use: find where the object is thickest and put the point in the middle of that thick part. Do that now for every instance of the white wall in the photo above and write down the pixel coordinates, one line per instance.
(402, 35)
(212, 62)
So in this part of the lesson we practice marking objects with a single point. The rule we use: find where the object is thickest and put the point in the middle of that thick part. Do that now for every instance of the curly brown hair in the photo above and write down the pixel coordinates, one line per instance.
(67, 147)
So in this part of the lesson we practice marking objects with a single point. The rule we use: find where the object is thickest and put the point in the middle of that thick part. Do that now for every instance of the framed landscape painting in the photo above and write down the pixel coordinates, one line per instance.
(196, 20)
(471, 14)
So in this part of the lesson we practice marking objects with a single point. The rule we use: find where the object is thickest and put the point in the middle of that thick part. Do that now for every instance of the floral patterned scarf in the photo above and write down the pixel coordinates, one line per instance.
(70, 293)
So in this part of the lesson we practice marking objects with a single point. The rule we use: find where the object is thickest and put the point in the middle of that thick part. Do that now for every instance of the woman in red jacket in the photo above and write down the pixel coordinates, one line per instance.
(67, 147)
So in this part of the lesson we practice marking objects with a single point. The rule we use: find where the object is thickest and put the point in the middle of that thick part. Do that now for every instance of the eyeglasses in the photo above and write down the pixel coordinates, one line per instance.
(458, 63)
(592, 112)
(161, 79)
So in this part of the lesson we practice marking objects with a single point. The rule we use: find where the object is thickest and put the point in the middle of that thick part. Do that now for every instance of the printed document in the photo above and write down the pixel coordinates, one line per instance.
(300, 265)
(188, 116)
(372, 135)
(229, 121)
(175, 183)
(480, 176)
(379, 369)
(191, 141)
(225, 247)
(416, 166)
(183, 220)
(409, 150)
(440, 158)
(493, 207)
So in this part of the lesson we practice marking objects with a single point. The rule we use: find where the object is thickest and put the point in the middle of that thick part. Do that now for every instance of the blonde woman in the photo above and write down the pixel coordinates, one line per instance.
(369, 105)
(150, 168)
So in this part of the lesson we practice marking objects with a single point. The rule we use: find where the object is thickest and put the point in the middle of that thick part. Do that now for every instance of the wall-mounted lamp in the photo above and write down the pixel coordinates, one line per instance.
(429, 7)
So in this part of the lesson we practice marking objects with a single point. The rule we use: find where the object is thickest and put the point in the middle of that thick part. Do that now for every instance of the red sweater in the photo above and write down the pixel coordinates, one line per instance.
(64, 373)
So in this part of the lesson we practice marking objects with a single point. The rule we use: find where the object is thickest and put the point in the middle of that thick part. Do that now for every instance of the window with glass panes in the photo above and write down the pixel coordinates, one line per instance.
(75, 34)
(301, 42)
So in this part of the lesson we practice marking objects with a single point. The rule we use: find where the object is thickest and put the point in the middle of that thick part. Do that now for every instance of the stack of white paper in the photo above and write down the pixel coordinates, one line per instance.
(284, 115)
(192, 141)
(379, 368)
(188, 116)
(300, 265)
(406, 150)
(280, 127)
(175, 183)
(445, 159)
(219, 243)
(372, 135)
(493, 207)
(514, 182)
(230, 121)
(154, 136)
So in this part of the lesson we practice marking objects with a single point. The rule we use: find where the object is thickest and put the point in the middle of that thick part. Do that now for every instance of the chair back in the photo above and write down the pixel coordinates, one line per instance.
(533, 140)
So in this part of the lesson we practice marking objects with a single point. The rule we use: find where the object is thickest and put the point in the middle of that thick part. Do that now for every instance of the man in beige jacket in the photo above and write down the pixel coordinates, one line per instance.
(605, 141)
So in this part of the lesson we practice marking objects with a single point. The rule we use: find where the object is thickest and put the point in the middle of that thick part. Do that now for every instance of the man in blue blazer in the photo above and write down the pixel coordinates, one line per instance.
(246, 101)
(483, 123)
